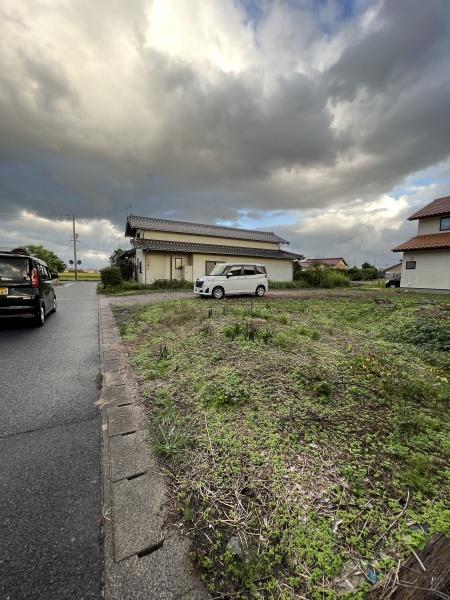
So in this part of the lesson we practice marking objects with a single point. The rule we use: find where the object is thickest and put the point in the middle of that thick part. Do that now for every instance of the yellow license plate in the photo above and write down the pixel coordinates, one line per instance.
(3, 291)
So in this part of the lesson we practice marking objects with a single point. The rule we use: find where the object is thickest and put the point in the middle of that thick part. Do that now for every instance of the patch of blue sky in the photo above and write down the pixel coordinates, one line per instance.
(436, 175)
(253, 9)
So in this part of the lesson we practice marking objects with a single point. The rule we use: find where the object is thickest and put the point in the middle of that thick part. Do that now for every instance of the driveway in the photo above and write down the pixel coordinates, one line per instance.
(50, 479)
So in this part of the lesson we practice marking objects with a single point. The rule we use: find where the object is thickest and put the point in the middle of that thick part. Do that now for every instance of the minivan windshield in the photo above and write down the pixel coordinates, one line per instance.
(14, 269)
(219, 270)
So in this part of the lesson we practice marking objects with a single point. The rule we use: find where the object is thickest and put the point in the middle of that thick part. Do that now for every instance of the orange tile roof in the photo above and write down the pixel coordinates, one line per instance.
(440, 206)
(425, 242)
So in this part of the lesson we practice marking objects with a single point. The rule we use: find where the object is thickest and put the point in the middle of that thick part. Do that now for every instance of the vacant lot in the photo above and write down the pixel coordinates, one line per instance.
(306, 440)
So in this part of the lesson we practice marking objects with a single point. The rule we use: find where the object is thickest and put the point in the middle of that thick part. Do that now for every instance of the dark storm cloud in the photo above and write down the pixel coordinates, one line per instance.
(95, 118)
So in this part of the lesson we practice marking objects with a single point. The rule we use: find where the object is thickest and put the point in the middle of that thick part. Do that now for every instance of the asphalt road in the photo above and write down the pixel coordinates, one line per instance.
(50, 478)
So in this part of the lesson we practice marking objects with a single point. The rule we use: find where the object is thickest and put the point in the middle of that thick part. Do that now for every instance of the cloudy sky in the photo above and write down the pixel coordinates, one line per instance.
(327, 121)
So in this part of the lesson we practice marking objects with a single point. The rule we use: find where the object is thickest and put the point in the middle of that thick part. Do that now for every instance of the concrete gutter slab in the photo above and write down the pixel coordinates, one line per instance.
(144, 559)
(123, 419)
(135, 578)
(130, 455)
(139, 514)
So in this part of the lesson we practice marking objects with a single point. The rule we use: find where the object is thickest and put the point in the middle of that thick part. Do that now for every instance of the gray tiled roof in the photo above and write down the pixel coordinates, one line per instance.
(134, 222)
(167, 246)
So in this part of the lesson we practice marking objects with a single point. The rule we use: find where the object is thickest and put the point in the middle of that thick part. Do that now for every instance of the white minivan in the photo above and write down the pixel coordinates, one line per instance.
(232, 278)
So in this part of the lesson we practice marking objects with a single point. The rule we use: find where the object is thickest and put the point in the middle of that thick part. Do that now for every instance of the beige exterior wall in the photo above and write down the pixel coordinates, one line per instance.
(430, 225)
(432, 270)
(157, 265)
(160, 265)
(277, 269)
(206, 239)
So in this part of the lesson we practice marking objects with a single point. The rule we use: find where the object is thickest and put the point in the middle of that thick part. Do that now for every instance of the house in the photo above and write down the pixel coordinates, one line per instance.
(426, 257)
(393, 272)
(333, 263)
(166, 249)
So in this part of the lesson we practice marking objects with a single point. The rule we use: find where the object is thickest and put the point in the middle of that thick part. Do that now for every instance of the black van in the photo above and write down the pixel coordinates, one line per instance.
(26, 286)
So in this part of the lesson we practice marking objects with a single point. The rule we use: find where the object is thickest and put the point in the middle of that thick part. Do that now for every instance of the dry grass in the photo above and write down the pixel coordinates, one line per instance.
(322, 443)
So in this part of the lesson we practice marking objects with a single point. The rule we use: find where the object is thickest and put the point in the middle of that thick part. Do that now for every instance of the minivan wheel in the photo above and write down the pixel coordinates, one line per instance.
(40, 316)
(260, 291)
(55, 304)
(218, 293)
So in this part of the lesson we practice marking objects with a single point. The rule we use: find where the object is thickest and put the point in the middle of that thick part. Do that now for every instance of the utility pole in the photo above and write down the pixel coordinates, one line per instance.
(75, 248)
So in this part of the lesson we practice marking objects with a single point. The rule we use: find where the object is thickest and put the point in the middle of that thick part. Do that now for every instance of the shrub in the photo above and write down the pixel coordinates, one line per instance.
(368, 273)
(325, 278)
(170, 284)
(111, 276)
(313, 277)
(288, 285)
(133, 286)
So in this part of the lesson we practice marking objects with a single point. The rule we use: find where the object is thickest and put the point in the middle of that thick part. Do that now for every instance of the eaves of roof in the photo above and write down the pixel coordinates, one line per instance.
(431, 241)
(440, 206)
(190, 247)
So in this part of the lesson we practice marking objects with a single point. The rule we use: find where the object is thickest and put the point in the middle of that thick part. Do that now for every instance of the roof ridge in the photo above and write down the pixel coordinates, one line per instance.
(202, 224)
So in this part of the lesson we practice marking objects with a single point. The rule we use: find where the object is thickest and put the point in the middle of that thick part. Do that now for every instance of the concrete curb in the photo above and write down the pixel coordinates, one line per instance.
(144, 559)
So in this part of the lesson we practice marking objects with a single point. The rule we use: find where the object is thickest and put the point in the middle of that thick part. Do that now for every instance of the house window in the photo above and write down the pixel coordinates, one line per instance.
(410, 264)
(140, 266)
(178, 263)
(210, 264)
(445, 224)
(138, 234)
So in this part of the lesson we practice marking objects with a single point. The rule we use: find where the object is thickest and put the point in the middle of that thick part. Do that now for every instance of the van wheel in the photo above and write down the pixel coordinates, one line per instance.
(40, 316)
(218, 293)
(55, 304)
(260, 291)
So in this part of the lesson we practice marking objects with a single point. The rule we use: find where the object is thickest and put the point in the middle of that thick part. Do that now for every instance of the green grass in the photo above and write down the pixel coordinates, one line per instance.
(70, 276)
(314, 430)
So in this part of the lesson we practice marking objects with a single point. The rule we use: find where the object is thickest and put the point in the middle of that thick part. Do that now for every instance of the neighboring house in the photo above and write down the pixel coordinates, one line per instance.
(393, 272)
(165, 249)
(426, 257)
(333, 263)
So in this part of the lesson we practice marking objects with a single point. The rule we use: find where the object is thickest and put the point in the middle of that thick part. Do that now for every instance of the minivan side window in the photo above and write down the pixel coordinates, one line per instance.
(249, 270)
(235, 271)
(261, 269)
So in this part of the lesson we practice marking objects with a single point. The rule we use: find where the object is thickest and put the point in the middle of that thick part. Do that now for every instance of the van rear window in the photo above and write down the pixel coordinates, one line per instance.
(14, 269)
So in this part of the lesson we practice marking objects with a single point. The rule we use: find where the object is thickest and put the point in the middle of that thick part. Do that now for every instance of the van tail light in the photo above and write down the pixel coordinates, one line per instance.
(34, 278)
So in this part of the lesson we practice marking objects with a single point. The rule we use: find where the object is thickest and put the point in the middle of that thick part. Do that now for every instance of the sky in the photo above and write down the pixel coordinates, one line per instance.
(326, 121)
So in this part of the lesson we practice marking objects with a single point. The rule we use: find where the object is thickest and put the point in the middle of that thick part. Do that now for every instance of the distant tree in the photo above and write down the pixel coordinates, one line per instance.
(124, 263)
(53, 261)
(367, 272)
